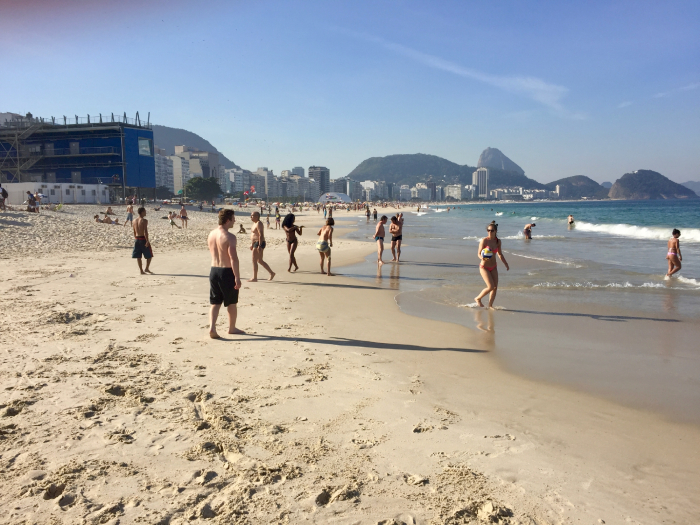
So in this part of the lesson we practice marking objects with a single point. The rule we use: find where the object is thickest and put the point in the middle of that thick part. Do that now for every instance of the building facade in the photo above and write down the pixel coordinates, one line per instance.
(322, 175)
(164, 170)
(480, 179)
(181, 173)
(453, 191)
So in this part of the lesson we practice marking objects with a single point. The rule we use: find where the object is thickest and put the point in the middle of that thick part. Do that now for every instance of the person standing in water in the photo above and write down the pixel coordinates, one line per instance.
(325, 243)
(291, 230)
(488, 267)
(224, 276)
(379, 234)
(528, 230)
(396, 231)
(674, 253)
(570, 220)
(257, 246)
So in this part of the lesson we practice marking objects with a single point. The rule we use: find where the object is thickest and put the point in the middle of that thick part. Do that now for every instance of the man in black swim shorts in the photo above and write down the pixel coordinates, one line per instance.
(396, 231)
(224, 276)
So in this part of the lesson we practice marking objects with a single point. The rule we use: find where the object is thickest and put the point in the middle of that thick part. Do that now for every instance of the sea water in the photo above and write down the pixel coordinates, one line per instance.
(605, 276)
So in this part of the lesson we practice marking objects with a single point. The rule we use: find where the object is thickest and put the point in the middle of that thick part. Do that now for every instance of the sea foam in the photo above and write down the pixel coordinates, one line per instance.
(638, 232)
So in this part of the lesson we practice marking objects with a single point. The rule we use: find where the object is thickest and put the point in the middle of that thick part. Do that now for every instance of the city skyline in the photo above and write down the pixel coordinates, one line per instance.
(600, 90)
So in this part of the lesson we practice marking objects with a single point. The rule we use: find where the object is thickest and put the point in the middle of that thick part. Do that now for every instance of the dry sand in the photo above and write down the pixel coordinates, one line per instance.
(334, 408)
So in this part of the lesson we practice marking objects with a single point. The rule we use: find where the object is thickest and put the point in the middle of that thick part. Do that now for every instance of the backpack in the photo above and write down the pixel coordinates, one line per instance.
(4, 193)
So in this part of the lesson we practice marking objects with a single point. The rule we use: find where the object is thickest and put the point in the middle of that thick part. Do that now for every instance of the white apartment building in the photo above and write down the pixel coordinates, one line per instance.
(405, 193)
(181, 173)
(480, 179)
(164, 171)
(454, 191)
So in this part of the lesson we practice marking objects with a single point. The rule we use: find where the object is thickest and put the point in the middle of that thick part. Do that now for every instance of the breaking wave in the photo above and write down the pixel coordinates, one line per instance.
(638, 232)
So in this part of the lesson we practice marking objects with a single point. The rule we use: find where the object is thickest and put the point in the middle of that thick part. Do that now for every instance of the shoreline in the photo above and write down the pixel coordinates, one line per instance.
(333, 410)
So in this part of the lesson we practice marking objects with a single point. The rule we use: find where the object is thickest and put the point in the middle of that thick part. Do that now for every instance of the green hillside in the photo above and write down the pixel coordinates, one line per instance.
(647, 184)
(577, 187)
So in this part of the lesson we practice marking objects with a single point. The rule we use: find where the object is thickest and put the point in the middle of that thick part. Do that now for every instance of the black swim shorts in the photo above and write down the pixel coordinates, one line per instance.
(397, 237)
(222, 286)
(262, 246)
(141, 250)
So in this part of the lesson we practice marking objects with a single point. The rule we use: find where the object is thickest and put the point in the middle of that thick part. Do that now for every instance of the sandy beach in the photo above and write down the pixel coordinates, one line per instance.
(335, 407)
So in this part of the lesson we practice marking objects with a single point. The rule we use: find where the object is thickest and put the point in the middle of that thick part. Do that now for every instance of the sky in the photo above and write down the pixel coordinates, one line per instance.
(598, 88)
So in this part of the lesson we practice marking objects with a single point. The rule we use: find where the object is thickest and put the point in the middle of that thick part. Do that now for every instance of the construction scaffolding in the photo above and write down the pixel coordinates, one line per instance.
(37, 149)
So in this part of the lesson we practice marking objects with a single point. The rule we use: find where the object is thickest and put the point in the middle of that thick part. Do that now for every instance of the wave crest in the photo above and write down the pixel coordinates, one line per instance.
(638, 232)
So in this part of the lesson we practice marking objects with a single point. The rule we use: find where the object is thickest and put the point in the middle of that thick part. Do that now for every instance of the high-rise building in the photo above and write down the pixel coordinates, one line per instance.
(322, 175)
(405, 193)
(480, 179)
(164, 170)
(299, 171)
(422, 192)
(439, 196)
(181, 173)
(453, 191)
(431, 186)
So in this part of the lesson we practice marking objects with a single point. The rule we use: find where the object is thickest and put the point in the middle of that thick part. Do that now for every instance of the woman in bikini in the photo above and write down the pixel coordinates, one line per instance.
(488, 267)
(291, 230)
(674, 253)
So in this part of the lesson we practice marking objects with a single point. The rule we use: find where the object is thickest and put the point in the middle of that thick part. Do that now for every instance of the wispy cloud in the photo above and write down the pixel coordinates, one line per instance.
(549, 95)
(625, 104)
(689, 87)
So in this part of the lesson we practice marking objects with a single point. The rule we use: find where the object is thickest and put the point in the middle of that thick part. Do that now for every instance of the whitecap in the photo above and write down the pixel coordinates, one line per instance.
(638, 232)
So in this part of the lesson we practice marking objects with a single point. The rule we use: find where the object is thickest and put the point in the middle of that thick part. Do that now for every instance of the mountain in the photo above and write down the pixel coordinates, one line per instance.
(646, 185)
(693, 185)
(418, 167)
(167, 138)
(494, 158)
(577, 187)
(607, 185)
(410, 169)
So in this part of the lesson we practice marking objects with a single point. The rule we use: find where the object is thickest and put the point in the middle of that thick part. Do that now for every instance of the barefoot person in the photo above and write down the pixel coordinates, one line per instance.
(528, 230)
(129, 214)
(142, 245)
(257, 246)
(183, 216)
(674, 253)
(396, 231)
(224, 276)
(379, 237)
(325, 243)
(291, 230)
(488, 248)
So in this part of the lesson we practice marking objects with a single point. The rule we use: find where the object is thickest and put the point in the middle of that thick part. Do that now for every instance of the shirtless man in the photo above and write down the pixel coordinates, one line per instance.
(171, 220)
(257, 246)
(528, 230)
(142, 246)
(129, 214)
(325, 243)
(224, 276)
(183, 216)
(674, 253)
(379, 237)
(396, 231)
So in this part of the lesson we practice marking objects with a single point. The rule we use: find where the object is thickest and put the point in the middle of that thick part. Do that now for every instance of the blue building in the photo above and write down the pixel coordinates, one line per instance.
(93, 150)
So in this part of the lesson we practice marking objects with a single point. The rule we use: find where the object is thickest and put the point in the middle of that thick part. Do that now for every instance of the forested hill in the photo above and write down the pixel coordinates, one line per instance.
(577, 187)
(167, 138)
(647, 184)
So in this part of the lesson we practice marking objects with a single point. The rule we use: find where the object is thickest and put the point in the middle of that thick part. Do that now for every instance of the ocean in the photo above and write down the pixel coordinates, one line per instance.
(586, 307)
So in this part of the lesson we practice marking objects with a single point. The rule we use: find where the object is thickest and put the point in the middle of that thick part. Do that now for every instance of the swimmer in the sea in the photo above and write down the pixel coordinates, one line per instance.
(674, 253)
(528, 230)
(570, 220)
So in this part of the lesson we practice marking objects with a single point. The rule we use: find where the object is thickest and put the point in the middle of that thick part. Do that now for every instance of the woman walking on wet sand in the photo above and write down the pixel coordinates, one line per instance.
(674, 253)
(488, 248)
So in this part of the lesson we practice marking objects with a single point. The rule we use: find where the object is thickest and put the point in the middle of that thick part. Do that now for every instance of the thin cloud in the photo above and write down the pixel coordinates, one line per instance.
(689, 87)
(624, 104)
(549, 95)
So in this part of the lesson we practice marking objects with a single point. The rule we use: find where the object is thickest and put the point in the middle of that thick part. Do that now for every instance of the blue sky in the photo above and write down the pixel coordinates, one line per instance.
(562, 88)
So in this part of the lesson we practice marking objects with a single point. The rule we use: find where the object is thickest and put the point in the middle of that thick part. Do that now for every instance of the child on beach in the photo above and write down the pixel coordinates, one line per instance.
(325, 243)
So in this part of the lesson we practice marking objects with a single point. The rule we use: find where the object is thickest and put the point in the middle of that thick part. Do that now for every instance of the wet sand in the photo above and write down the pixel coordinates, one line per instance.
(335, 407)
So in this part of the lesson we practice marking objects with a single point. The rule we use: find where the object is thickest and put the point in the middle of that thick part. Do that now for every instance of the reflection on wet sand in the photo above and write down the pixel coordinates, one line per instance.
(485, 323)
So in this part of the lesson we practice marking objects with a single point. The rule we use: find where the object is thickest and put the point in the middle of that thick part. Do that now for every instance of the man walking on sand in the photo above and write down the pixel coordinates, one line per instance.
(379, 237)
(142, 245)
(257, 246)
(396, 231)
(224, 276)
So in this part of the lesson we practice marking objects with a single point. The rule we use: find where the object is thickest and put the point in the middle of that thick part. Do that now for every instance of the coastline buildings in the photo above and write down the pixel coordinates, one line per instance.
(322, 175)
(164, 170)
(405, 193)
(480, 179)
(181, 173)
(453, 191)
(298, 171)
